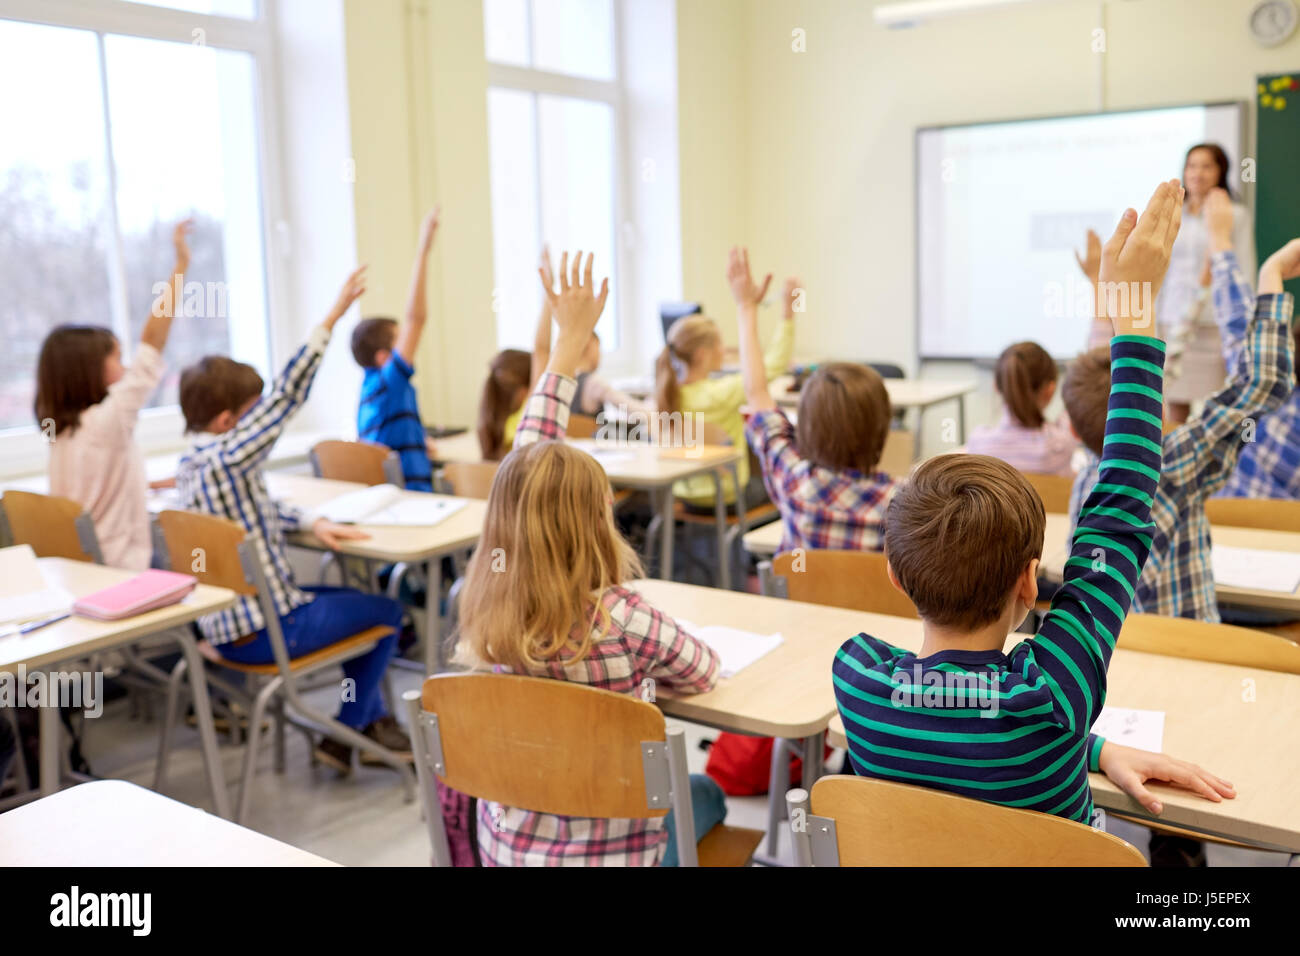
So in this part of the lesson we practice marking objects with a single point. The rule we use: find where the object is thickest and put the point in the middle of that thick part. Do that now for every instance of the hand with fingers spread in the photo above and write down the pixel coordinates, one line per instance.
(353, 288)
(743, 289)
(1131, 769)
(331, 533)
(1134, 261)
(1218, 219)
(1090, 261)
(576, 307)
(1279, 267)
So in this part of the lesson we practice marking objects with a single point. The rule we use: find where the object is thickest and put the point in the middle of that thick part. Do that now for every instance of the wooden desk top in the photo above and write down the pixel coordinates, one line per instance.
(79, 636)
(1056, 550)
(763, 542)
(386, 542)
(115, 823)
(903, 392)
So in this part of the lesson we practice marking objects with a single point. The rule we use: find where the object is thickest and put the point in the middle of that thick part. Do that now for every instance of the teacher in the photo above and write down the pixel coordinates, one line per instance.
(1184, 307)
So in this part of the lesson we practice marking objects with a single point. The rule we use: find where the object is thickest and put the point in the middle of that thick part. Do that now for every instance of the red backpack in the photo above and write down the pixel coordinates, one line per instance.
(741, 765)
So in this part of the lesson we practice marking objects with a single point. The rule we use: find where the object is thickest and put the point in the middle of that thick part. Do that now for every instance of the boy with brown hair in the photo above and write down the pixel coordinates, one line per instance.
(822, 474)
(964, 539)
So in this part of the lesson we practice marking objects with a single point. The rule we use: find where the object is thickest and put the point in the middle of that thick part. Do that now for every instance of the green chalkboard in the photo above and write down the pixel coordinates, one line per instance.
(1277, 170)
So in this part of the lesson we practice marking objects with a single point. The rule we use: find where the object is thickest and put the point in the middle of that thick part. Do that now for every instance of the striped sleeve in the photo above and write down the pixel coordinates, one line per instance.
(1111, 540)
(546, 413)
(1095, 743)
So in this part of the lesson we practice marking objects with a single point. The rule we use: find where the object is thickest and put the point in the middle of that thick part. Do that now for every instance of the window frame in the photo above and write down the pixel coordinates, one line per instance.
(23, 449)
(529, 79)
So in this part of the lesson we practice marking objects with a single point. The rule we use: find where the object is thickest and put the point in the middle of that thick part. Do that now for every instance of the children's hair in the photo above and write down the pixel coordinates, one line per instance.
(1022, 371)
(509, 371)
(70, 374)
(216, 384)
(1220, 160)
(370, 336)
(1086, 394)
(844, 417)
(548, 552)
(685, 338)
(958, 534)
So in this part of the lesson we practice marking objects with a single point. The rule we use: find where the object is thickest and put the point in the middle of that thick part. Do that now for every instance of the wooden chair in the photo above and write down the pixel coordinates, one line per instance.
(857, 580)
(862, 821)
(557, 747)
(229, 561)
(1053, 489)
(54, 527)
(469, 479)
(363, 462)
(1266, 514)
(1203, 641)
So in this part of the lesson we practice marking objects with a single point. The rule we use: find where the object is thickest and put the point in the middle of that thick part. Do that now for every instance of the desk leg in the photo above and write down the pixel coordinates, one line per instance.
(814, 758)
(203, 713)
(961, 419)
(48, 721)
(720, 528)
(432, 617)
(778, 781)
(666, 533)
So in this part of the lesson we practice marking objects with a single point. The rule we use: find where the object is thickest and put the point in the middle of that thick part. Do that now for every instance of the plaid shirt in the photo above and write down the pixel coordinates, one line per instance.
(1178, 579)
(820, 508)
(641, 643)
(222, 475)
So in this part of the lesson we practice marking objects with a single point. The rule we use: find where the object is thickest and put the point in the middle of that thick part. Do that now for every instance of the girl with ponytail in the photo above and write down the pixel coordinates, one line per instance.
(1025, 378)
(499, 410)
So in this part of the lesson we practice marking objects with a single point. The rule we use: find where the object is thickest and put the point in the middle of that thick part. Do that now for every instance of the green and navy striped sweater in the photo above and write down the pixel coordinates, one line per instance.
(1014, 728)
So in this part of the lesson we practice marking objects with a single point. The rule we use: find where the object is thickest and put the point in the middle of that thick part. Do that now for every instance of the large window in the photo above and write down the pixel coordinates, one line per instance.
(555, 125)
(118, 123)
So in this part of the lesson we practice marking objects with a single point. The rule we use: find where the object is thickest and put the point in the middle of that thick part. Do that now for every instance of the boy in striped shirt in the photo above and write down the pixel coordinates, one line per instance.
(964, 537)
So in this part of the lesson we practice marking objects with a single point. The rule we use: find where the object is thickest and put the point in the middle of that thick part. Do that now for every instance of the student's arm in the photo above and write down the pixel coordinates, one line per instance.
(677, 660)
(161, 311)
(776, 360)
(542, 337)
(1113, 535)
(1099, 332)
(602, 393)
(748, 294)
(1130, 769)
(408, 336)
(249, 443)
(1201, 454)
(576, 308)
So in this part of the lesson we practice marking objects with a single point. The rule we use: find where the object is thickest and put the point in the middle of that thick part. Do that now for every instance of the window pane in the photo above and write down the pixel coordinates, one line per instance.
(244, 9)
(577, 162)
(515, 240)
(505, 31)
(184, 134)
(574, 37)
(53, 200)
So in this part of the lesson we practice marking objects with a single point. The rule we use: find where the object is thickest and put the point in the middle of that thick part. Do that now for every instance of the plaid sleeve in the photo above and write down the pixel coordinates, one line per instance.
(1095, 743)
(1110, 543)
(291, 518)
(1233, 302)
(249, 443)
(546, 413)
(1200, 455)
(671, 656)
(772, 436)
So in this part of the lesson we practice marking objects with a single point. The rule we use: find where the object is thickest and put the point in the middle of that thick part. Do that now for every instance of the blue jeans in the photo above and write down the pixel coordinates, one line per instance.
(333, 614)
(708, 806)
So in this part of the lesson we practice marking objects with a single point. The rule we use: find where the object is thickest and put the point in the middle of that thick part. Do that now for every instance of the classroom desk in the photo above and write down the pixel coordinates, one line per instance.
(1056, 550)
(115, 823)
(904, 393)
(763, 542)
(644, 467)
(78, 637)
(424, 546)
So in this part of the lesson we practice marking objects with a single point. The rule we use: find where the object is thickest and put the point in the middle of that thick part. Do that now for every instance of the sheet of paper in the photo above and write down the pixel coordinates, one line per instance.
(389, 505)
(1256, 570)
(25, 595)
(737, 649)
(415, 512)
(1141, 729)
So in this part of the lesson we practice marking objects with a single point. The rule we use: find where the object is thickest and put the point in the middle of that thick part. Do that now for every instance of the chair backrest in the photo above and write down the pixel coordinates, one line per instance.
(207, 547)
(1268, 514)
(54, 527)
(1203, 641)
(359, 461)
(884, 823)
(545, 745)
(581, 426)
(899, 453)
(469, 479)
(1053, 489)
(858, 580)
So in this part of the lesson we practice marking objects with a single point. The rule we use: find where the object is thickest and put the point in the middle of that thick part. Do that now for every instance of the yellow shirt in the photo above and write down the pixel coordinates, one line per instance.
(719, 399)
(508, 429)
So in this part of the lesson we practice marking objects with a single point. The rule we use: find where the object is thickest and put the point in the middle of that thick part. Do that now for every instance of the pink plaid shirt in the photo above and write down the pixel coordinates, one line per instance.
(641, 643)
(820, 508)
(1045, 451)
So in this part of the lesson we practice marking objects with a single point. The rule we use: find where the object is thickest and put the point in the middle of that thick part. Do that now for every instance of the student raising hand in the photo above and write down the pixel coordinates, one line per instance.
(181, 243)
(1279, 267)
(353, 288)
(1090, 261)
(743, 289)
(1134, 261)
(577, 308)
(1218, 220)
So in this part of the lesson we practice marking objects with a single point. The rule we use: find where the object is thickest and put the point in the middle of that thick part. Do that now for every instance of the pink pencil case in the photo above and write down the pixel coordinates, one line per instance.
(146, 591)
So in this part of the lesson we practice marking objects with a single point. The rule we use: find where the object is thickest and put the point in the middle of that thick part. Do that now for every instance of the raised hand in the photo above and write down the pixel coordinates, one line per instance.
(1090, 261)
(545, 270)
(1218, 219)
(577, 308)
(1131, 769)
(1134, 261)
(181, 243)
(743, 288)
(793, 287)
(429, 227)
(1279, 267)
(353, 288)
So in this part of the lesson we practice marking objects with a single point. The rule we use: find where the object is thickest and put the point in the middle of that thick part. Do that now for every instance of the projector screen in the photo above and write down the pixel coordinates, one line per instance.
(1001, 207)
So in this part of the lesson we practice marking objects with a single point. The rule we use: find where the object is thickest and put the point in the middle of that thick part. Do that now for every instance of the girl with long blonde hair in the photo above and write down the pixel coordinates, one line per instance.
(545, 595)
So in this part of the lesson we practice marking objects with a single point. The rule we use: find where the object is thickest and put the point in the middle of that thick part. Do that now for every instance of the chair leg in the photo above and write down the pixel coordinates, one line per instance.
(254, 741)
(169, 723)
(432, 809)
(279, 738)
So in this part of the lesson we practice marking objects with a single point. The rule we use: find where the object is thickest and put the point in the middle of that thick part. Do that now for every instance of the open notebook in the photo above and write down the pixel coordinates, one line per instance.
(1256, 570)
(737, 649)
(389, 505)
(25, 594)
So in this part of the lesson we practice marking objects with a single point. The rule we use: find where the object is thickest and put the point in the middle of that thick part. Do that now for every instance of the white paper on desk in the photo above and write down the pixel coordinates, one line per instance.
(609, 456)
(388, 505)
(1256, 570)
(25, 595)
(1141, 729)
(737, 649)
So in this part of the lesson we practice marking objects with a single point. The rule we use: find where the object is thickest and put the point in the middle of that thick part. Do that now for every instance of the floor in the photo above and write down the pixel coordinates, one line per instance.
(362, 820)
